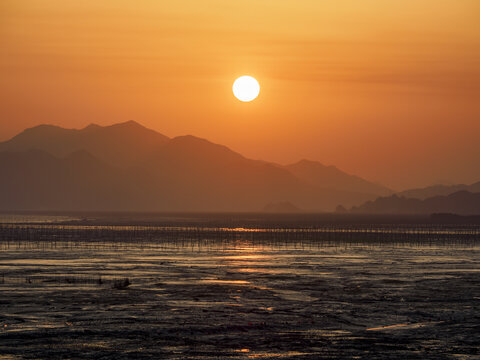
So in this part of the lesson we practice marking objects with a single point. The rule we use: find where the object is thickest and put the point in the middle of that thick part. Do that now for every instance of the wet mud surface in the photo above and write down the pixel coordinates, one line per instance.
(240, 302)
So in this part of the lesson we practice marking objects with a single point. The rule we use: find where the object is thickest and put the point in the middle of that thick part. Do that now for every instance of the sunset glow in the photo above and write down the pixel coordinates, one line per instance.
(377, 88)
(239, 179)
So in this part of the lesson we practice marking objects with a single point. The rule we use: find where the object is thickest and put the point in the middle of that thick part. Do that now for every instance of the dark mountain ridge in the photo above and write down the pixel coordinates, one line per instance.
(129, 167)
(120, 144)
(461, 202)
(439, 189)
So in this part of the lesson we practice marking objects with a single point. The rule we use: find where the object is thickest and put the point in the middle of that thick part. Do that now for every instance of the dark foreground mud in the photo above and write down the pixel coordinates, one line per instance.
(240, 302)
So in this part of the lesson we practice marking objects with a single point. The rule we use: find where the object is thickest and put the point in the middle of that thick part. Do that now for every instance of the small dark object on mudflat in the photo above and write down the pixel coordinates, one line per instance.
(121, 284)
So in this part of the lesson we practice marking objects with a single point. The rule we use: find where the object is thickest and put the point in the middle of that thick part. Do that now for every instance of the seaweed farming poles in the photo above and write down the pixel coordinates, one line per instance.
(120, 236)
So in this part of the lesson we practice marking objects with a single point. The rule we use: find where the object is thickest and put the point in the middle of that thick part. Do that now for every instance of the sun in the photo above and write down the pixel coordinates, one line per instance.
(246, 88)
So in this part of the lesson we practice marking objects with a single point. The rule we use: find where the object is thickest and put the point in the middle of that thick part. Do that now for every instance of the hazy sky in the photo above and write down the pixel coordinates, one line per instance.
(388, 90)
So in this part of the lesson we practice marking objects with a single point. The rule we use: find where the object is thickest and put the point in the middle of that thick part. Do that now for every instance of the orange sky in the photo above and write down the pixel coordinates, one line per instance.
(388, 90)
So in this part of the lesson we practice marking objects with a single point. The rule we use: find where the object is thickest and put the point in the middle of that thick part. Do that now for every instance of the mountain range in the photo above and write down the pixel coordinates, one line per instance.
(129, 167)
(461, 202)
(438, 190)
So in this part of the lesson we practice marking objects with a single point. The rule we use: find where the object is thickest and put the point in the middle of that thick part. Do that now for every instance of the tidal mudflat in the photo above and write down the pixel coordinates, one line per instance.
(239, 300)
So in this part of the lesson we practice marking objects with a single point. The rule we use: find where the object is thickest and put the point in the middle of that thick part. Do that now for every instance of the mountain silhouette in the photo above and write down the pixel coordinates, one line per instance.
(436, 190)
(460, 202)
(36, 180)
(330, 177)
(119, 144)
(129, 167)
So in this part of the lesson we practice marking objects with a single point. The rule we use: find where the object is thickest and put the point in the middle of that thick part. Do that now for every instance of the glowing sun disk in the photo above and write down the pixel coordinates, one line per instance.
(246, 88)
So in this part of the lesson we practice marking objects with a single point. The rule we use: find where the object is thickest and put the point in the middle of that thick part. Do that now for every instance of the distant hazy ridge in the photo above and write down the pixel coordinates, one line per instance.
(129, 167)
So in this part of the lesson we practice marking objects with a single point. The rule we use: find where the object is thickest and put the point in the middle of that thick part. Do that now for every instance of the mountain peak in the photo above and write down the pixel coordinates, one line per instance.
(119, 144)
(92, 127)
(128, 124)
(32, 138)
(43, 126)
(42, 129)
